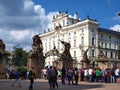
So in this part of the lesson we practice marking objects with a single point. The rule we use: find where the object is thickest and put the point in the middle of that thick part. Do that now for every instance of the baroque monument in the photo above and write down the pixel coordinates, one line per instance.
(36, 60)
(85, 61)
(66, 56)
(2, 59)
(3, 54)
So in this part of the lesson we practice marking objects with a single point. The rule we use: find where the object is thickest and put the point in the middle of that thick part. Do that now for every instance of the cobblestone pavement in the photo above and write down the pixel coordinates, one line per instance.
(43, 85)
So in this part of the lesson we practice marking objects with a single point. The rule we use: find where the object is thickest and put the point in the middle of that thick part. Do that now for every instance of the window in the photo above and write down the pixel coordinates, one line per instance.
(69, 42)
(74, 33)
(53, 43)
(115, 46)
(93, 52)
(111, 54)
(102, 44)
(106, 53)
(93, 41)
(92, 30)
(82, 31)
(74, 53)
(69, 34)
(109, 37)
(75, 43)
(82, 40)
(45, 46)
(101, 36)
(110, 45)
(116, 55)
(105, 45)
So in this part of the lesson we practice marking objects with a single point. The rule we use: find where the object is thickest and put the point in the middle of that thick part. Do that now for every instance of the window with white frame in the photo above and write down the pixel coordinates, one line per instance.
(111, 54)
(102, 44)
(110, 45)
(82, 31)
(93, 41)
(74, 33)
(106, 54)
(74, 42)
(82, 40)
(93, 53)
(74, 53)
(105, 45)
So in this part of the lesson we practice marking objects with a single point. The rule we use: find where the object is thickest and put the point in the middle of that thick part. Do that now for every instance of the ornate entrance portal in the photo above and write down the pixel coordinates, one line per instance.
(63, 59)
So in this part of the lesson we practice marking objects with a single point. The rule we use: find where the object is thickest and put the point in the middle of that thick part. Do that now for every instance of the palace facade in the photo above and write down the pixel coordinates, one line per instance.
(102, 44)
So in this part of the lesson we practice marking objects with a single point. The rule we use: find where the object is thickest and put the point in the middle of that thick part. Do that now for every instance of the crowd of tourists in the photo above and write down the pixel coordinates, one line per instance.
(72, 76)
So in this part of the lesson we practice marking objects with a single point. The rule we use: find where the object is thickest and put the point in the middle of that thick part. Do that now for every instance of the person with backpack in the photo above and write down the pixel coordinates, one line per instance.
(31, 77)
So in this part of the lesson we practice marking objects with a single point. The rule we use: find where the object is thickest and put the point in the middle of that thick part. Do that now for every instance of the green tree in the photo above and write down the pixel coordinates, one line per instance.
(19, 57)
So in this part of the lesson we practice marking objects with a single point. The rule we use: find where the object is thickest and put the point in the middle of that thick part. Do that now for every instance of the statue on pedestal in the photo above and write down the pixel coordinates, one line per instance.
(2, 59)
(66, 56)
(85, 59)
(2, 49)
(36, 59)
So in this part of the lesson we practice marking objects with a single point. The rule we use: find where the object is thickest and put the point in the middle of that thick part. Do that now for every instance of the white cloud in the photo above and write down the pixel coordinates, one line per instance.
(20, 20)
(115, 28)
(19, 35)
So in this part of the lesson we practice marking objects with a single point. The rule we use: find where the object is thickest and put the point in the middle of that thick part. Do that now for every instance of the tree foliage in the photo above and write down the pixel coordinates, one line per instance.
(19, 57)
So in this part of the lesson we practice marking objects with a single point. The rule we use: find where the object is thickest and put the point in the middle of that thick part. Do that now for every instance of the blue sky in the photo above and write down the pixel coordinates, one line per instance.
(103, 10)
(20, 20)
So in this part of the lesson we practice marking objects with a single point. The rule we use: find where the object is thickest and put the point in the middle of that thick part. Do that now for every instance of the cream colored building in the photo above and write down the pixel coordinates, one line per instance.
(82, 34)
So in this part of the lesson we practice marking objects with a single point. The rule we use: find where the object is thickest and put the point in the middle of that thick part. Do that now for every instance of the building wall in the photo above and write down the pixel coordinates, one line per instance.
(80, 32)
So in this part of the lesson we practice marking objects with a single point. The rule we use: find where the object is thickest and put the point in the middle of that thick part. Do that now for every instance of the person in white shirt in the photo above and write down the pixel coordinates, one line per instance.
(117, 71)
(85, 74)
(90, 74)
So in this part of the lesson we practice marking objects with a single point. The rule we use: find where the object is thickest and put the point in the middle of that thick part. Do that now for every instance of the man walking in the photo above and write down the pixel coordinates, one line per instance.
(17, 78)
(31, 77)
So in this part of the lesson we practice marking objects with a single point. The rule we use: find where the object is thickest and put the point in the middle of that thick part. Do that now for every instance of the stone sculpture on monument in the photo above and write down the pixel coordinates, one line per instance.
(66, 56)
(36, 60)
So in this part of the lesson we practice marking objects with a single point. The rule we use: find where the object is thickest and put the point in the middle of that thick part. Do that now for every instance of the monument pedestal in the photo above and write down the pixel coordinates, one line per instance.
(2, 68)
(36, 64)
